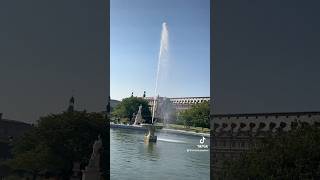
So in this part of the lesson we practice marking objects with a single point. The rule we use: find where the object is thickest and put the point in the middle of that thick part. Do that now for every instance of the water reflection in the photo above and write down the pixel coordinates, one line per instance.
(150, 151)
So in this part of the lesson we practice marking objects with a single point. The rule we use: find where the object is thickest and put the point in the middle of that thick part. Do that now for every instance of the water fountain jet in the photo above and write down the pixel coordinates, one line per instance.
(150, 136)
(163, 52)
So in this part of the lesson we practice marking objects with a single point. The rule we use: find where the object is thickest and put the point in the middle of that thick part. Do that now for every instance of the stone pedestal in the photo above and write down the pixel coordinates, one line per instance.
(150, 135)
(91, 174)
(76, 171)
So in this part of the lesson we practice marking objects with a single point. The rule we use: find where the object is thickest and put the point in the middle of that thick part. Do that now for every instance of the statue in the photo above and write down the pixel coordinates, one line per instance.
(138, 118)
(95, 156)
(92, 171)
(71, 104)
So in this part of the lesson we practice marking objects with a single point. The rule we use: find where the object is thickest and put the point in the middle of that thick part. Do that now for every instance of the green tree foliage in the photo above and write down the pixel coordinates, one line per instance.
(291, 155)
(128, 106)
(198, 115)
(57, 141)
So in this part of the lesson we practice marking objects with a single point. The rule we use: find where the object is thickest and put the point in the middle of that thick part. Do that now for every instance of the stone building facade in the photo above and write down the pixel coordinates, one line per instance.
(233, 134)
(179, 103)
(168, 108)
(184, 103)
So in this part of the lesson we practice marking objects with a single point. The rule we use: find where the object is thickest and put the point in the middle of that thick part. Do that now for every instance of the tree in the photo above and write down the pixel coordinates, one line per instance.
(290, 155)
(128, 106)
(57, 141)
(185, 118)
(198, 115)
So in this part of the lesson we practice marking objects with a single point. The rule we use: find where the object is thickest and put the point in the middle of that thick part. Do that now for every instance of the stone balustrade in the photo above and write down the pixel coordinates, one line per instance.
(262, 122)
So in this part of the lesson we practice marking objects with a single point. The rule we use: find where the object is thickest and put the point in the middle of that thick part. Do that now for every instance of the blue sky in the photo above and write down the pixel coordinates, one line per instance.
(135, 42)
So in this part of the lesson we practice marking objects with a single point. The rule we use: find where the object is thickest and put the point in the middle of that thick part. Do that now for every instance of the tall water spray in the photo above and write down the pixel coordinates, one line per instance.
(163, 53)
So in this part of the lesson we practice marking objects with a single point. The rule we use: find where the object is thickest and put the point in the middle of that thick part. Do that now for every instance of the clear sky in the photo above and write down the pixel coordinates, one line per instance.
(135, 42)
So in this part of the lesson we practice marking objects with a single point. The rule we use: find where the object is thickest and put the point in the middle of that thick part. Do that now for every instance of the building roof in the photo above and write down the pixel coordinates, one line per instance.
(114, 103)
(14, 121)
(179, 97)
(190, 97)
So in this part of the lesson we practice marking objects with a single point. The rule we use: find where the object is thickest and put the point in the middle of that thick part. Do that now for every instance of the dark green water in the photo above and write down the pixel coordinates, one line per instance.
(168, 159)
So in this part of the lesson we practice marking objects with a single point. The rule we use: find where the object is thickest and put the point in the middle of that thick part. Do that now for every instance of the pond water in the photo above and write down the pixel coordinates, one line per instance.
(167, 159)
